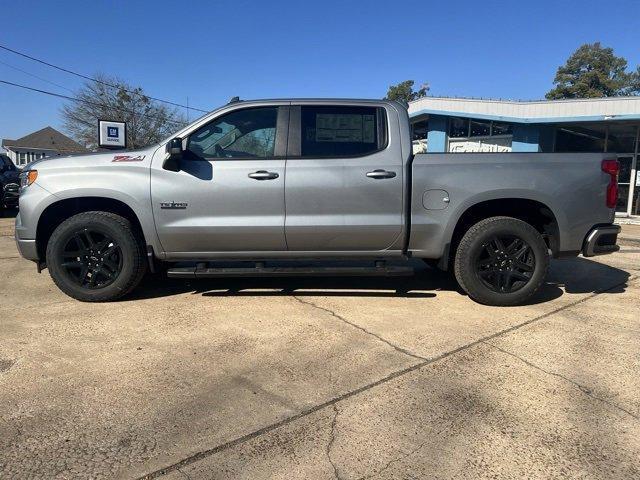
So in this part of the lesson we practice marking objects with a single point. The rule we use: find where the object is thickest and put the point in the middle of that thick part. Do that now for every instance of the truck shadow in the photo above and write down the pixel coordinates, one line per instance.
(569, 276)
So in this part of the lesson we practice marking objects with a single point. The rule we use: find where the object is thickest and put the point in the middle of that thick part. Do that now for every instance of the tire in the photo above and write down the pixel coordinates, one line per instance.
(505, 272)
(96, 257)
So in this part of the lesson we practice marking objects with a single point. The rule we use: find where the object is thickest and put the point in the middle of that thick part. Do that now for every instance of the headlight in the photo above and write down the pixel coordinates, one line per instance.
(28, 177)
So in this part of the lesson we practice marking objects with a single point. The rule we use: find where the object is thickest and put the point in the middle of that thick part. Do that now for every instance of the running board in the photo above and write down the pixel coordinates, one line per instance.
(199, 272)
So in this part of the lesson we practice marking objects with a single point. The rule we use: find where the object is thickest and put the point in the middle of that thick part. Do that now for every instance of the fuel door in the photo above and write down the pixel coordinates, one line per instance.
(435, 199)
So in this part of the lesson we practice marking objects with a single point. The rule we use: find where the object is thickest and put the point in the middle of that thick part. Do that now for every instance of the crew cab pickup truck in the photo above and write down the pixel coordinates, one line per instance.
(260, 182)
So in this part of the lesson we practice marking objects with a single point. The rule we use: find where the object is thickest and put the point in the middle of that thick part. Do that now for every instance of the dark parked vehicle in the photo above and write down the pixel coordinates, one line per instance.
(9, 183)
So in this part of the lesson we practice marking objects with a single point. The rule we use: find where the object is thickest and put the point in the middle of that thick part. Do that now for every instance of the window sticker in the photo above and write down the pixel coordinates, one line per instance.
(333, 127)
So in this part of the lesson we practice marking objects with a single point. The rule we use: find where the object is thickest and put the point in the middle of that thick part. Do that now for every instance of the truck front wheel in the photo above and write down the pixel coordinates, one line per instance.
(96, 257)
(501, 261)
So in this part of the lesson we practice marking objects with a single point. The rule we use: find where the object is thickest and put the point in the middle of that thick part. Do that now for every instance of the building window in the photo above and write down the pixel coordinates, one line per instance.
(480, 129)
(458, 127)
(500, 128)
(579, 138)
(474, 135)
(465, 128)
(419, 130)
(419, 134)
(622, 138)
(22, 158)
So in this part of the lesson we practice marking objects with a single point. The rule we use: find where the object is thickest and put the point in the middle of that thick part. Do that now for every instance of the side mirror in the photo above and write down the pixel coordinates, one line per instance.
(174, 149)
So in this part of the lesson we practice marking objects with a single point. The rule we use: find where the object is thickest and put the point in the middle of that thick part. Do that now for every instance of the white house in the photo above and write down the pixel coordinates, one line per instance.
(47, 142)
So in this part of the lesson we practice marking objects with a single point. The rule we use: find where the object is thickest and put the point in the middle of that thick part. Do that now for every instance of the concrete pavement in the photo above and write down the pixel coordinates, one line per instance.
(321, 378)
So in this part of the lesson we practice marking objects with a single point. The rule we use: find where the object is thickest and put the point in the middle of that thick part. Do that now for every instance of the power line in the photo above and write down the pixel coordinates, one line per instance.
(36, 76)
(96, 80)
(88, 102)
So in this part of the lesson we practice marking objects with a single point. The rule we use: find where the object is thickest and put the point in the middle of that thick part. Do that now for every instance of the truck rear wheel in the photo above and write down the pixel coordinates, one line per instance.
(96, 257)
(501, 261)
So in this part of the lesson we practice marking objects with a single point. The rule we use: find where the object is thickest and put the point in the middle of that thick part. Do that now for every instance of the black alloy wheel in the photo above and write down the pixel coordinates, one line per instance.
(92, 258)
(505, 263)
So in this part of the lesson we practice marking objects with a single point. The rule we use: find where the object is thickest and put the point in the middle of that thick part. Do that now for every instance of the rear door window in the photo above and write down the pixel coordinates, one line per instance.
(341, 131)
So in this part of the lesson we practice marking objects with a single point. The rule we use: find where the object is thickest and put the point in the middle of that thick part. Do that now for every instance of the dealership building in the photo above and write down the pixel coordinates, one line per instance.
(461, 125)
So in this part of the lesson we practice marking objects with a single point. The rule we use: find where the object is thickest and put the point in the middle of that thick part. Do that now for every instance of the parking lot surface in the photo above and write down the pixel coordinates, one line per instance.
(321, 378)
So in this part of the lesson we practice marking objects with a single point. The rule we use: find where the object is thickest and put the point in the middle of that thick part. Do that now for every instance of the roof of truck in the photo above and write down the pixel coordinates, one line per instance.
(318, 99)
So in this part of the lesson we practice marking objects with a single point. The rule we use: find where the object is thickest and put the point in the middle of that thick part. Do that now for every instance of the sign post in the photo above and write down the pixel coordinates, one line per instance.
(112, 134)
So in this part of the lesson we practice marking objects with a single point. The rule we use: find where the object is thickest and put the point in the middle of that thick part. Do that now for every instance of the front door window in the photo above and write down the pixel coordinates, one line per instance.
(248, 133)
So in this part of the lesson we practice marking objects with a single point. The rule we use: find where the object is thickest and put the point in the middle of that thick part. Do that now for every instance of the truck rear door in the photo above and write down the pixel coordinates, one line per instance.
(344, 179)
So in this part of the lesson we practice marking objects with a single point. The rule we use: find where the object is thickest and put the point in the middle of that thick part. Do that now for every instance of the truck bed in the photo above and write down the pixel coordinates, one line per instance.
(571, 185)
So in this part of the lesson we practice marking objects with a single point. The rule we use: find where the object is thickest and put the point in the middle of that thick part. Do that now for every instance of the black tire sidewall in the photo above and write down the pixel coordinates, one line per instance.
(471, 246)
(119, 229)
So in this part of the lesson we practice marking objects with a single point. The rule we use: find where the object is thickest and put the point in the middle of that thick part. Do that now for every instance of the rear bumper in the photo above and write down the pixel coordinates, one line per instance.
(600, 240)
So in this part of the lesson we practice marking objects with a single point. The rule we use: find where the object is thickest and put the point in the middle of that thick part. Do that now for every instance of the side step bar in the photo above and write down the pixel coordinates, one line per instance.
(201, 271)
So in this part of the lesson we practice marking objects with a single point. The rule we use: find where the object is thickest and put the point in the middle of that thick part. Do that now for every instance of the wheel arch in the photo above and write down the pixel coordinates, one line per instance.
(57, 212)
(534, 212)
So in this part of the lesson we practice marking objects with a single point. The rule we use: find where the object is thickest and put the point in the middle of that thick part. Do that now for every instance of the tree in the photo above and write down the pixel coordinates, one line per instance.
(634, 84)
(110, 98)
(403, 92)
(594, 71)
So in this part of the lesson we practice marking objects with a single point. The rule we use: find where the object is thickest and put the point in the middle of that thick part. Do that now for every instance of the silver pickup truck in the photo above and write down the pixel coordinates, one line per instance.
(255, 183)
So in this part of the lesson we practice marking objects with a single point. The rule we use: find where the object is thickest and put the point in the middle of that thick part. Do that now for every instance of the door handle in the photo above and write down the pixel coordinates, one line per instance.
(381, 174)
(263, 175)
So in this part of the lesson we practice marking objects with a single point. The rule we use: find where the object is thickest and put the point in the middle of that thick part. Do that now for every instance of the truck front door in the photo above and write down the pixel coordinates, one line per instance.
(344, 179)
(229, 193)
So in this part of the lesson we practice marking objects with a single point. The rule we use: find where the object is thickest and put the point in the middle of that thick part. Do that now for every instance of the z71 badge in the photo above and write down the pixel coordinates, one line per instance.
(128, 158)
(173, 205)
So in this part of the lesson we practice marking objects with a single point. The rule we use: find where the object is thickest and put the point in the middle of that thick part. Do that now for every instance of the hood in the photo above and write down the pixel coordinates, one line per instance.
(93, 159)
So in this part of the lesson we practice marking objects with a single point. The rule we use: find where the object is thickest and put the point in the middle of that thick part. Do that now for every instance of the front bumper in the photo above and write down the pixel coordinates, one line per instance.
(27, 249)
(601, 240)
(26, 246)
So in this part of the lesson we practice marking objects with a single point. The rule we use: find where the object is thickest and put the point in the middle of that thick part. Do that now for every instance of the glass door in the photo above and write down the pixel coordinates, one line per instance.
(624, 182)
(634, 199)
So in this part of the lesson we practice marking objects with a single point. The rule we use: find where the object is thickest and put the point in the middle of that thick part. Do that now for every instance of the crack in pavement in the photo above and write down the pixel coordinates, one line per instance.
(185, 475)
(362, 329)
(332, 439)
(587, 391)
(396, 374)
(403, 456)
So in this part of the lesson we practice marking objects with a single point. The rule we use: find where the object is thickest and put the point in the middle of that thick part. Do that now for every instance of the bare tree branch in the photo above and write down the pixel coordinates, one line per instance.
(148, 121)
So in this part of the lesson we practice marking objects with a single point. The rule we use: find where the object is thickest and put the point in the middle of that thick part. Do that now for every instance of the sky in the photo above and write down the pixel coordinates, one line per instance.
(210, 51)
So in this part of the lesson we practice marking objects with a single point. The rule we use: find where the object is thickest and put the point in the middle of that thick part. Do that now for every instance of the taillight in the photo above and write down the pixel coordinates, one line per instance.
(612, 167)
